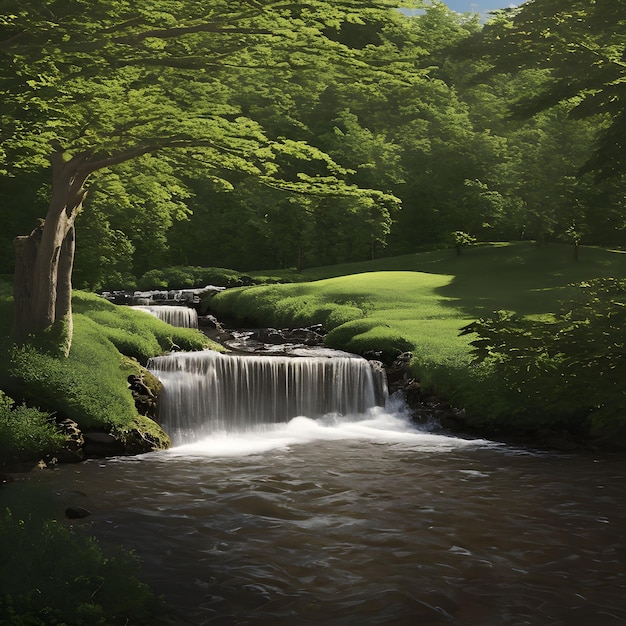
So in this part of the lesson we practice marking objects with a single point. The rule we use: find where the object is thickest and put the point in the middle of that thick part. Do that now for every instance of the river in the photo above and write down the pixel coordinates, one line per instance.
(364, 522)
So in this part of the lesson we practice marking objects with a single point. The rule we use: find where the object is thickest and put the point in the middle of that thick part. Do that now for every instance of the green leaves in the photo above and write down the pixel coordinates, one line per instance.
(574, 365)
(582, 45)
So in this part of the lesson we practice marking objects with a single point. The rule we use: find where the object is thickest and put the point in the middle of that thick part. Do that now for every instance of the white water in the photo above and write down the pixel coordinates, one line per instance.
(211, 394)
(181, 316)
(378, 425)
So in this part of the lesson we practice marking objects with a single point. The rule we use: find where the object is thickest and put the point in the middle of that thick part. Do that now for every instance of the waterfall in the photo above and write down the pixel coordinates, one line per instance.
(207, 392)
(182, 316)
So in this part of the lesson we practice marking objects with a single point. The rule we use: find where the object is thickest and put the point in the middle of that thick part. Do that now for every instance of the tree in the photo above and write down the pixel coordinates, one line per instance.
(89, 86)
(581, 45)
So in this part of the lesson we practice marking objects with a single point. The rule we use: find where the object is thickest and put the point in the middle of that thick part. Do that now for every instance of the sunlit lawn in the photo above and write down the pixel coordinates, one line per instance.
(419, 302)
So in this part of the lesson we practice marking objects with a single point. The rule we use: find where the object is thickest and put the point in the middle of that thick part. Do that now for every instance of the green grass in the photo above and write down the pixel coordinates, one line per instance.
(90, 386)
(419, 302)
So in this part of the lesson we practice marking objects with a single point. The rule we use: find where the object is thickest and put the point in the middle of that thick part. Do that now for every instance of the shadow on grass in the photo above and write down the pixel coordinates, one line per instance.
(522, 277)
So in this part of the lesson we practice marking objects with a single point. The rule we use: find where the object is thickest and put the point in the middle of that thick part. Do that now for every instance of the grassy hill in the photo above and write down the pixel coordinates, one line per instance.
(419, 302)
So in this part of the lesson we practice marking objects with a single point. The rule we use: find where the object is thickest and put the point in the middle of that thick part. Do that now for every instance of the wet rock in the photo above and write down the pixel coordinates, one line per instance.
(399, 375)
(413, 393)
(145, 398)
(210, 322)
(143, 435)
(100, 445)
(76, 512)
(274, 341)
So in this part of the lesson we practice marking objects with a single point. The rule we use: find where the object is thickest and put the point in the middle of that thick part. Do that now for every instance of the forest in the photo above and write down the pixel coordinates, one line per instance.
(272, 136)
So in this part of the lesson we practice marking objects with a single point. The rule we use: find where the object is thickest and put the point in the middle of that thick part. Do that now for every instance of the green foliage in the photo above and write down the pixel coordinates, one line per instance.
(88, 387)
(201, 100)
(54, 575)
(461, 240)
(26, 434)
(580, 44)
(179, 277)
(568, 368)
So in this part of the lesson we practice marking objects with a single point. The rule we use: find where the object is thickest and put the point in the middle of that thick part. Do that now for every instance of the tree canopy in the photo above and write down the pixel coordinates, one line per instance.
(263, 134)
(581, 45)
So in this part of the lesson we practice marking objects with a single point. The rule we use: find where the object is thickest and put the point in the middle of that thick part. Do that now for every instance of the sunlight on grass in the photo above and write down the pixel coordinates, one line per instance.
(419, 302)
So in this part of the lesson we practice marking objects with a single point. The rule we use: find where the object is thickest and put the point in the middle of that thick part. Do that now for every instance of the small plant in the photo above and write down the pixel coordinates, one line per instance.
(26, 434)
(461, 240)
(51, 575)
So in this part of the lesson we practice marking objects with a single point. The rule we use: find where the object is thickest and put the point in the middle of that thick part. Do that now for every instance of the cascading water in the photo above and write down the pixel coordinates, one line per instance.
(208, 392)
(181, 316)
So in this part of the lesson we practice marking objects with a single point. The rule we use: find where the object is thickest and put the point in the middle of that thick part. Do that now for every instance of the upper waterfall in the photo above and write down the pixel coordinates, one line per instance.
(207, 392)
(181, 316)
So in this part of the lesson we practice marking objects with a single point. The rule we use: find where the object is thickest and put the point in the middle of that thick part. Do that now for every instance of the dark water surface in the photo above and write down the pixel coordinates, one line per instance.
(365, 523)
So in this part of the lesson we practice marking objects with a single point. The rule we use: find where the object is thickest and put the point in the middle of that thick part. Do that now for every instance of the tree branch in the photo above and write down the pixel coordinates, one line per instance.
(168, 33)
(90, 166)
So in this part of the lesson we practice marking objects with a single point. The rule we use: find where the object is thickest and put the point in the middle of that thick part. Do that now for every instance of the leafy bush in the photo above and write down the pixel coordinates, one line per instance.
(26, 434)
(571, 367)
(50, 574)
(180, 277)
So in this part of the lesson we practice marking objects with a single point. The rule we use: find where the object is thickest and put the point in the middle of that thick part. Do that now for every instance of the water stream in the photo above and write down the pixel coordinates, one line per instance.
(181, 316)
(357, 517)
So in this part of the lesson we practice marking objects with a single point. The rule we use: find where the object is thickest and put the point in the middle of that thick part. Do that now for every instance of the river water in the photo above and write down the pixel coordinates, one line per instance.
(364, 521)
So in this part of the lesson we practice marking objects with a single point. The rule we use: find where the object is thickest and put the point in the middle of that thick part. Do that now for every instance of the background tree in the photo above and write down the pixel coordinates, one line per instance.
(581, 45)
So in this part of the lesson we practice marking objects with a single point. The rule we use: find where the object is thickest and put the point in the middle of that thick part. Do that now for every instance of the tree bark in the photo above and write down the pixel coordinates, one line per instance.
(45, 258)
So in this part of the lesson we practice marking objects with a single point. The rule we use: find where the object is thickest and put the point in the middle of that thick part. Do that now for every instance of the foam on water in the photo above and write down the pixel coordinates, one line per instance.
(377, 426)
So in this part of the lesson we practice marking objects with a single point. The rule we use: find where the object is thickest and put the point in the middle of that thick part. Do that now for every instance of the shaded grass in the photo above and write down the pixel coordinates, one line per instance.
(420, 302)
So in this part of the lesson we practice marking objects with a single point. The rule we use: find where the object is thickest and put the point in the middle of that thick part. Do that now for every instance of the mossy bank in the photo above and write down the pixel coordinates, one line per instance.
(68, 408)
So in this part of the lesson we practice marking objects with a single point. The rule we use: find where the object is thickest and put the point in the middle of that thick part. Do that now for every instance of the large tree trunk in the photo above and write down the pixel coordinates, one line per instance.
(44, 262)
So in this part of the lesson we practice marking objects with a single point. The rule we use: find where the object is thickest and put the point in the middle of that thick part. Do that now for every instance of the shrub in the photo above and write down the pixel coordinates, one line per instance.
(53, 575)
(567, 368)
(180, 277)
(26, 434)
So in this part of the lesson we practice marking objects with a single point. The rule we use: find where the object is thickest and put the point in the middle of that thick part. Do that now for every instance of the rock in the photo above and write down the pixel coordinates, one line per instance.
(100, 445)
(399, 373)
(145, 398)
(76, 512)
(144, 435)
(413, 394)
(72, 451)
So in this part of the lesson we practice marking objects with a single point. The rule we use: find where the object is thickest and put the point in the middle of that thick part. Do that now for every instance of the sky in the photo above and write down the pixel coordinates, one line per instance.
(480, 6)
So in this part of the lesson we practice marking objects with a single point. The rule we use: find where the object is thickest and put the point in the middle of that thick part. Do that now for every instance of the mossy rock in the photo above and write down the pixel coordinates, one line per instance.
(142, 435)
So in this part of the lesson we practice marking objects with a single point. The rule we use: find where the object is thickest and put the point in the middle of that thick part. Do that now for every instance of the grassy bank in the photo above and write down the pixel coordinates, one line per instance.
(90, 387)
(420, 302)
